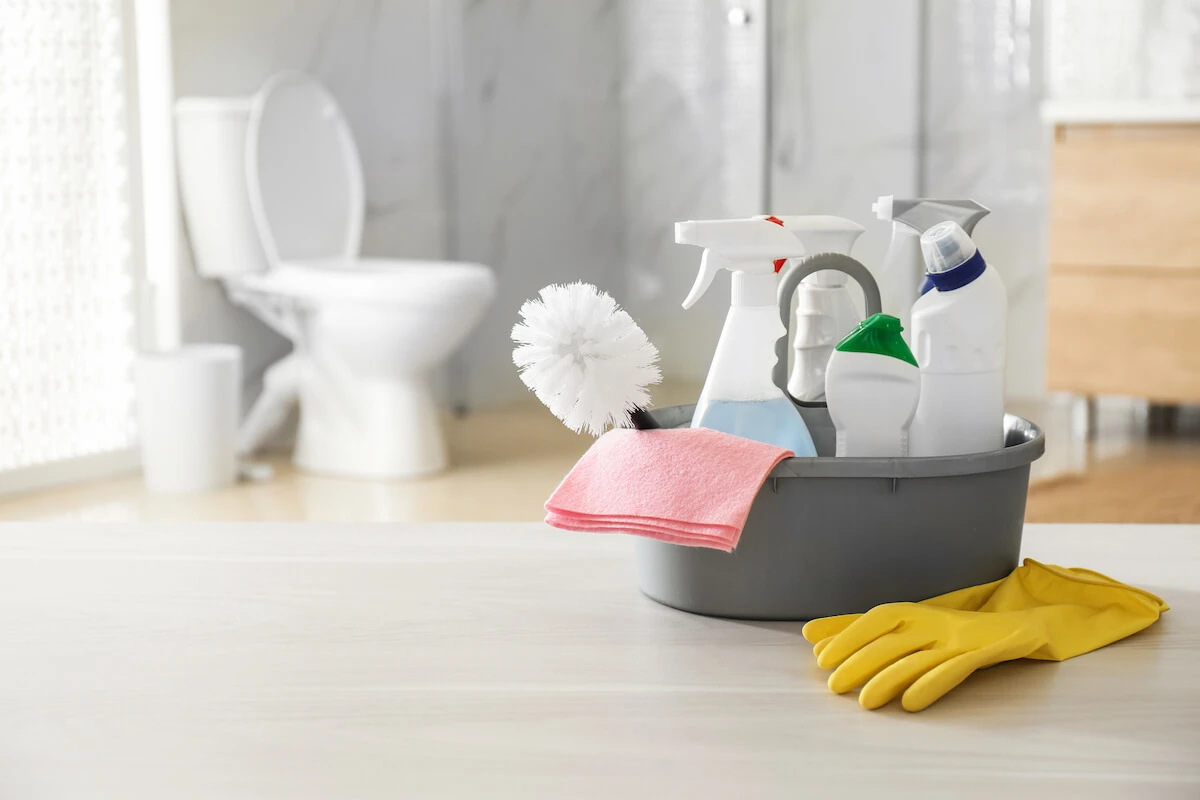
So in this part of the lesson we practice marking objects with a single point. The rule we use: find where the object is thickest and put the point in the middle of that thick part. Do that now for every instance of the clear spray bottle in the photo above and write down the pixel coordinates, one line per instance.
(739, 395)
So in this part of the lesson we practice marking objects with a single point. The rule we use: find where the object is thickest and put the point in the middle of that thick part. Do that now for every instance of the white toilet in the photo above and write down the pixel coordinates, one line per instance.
(273, 196)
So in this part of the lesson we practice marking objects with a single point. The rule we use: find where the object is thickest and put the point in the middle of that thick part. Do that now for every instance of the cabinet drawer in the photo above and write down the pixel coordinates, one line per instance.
(1126, 196)
(1125, 331)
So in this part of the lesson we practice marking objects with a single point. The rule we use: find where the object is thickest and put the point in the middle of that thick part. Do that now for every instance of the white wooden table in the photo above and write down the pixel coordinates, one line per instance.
(314, 661)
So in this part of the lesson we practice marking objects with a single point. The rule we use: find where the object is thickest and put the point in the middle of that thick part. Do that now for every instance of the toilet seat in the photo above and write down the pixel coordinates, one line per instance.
(372, 280)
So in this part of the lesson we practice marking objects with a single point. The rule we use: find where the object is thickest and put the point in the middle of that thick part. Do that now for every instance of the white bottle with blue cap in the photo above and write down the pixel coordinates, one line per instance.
(958, 334)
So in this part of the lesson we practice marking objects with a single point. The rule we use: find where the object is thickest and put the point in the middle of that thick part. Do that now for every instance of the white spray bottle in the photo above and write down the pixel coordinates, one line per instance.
(903, 269)
(739, 396)
(825, 308)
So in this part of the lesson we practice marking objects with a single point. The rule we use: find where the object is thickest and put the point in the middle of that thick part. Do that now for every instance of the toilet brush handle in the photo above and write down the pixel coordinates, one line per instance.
(642, 420)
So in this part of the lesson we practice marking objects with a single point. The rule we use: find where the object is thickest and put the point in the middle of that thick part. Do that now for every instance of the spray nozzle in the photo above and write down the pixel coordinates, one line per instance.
(822, 233)
(883, 207)
(922, 213)
(741, 246)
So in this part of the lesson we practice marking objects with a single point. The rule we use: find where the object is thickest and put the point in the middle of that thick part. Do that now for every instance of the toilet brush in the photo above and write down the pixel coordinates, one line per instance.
(585, 358)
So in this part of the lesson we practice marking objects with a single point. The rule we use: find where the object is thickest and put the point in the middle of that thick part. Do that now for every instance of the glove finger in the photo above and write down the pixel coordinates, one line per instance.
(874, 658)
(820, 646)
(817, 630)
(877, 622)
(888, 684)
(933, 685)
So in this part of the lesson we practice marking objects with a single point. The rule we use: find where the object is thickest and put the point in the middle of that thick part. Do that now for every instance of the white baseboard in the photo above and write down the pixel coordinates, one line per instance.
(76, 470)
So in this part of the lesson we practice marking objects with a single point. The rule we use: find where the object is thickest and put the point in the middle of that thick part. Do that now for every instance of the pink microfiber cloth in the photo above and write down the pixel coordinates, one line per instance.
(689, 486)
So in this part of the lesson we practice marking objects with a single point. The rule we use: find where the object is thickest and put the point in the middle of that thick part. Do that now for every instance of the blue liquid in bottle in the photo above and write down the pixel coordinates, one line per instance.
(773, 421)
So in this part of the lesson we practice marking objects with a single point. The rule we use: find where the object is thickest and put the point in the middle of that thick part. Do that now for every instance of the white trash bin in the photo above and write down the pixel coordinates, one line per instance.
(189, 404)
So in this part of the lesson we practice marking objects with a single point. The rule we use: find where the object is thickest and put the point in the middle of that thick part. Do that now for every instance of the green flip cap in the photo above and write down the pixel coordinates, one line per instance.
(879, 334)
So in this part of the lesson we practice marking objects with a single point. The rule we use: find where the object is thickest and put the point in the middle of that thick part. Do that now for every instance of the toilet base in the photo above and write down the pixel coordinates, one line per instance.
(372, 430)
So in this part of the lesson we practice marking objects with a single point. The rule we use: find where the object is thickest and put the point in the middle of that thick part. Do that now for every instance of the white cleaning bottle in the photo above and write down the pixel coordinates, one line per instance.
(825, 308)
(903, 268)
(739, 396)
(959, 340)
(872, 385)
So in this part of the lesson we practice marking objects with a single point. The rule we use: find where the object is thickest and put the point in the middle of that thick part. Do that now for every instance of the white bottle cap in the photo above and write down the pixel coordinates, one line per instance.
(945, 246)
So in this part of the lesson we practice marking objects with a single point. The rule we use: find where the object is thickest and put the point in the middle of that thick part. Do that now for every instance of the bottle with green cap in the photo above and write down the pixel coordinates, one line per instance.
(872, 386)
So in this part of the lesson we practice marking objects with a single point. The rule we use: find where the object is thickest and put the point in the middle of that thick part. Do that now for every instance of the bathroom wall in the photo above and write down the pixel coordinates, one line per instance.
(536, 161)
(845, 129)
(376, 57)
(848, 129)
(693, 133)
(582, 130)
(984, 139)
(708, 130)
(527, 182)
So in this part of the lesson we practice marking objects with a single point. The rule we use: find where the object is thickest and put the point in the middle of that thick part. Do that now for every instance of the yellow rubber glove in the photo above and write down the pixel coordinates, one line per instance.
(924, 650)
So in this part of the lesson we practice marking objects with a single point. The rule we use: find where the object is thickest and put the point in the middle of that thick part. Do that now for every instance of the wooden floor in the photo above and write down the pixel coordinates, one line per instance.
(1160, 484)
(1124, 474)
(506, 462)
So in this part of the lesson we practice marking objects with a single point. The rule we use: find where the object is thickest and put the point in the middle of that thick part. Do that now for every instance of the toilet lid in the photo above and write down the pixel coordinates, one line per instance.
(302, 169)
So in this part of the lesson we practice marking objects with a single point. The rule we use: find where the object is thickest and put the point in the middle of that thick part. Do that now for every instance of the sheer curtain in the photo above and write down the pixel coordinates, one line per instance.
(67, 266)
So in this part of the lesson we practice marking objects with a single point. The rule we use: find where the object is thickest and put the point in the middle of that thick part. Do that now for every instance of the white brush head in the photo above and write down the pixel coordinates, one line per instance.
(584, 357)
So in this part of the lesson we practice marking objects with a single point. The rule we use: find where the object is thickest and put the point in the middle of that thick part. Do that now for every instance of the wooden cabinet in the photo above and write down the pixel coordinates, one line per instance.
(1124, 286)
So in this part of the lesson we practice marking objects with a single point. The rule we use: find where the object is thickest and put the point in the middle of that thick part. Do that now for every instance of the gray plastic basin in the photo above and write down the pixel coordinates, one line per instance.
(841, 535)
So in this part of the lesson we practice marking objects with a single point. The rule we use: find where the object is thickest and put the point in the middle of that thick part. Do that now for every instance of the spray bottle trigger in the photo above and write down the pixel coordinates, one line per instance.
(710, 264)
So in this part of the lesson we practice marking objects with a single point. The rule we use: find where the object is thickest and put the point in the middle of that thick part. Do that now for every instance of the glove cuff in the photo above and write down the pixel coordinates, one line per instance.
(1092, 578)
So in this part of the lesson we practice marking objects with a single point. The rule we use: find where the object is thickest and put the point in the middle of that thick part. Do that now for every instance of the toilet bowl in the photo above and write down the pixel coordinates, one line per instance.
(273, 196)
